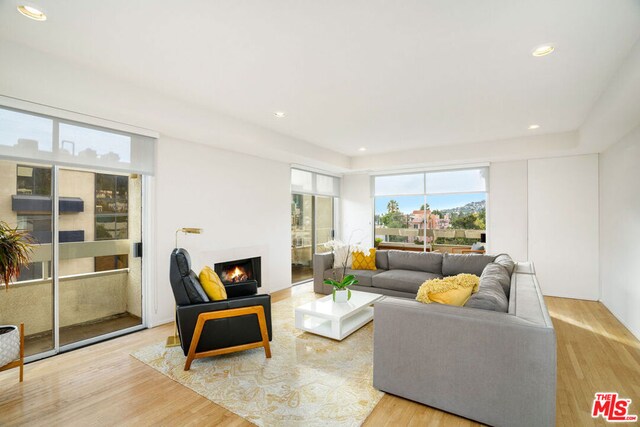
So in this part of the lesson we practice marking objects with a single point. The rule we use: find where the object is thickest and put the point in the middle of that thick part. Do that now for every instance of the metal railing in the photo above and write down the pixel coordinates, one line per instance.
(413, 233)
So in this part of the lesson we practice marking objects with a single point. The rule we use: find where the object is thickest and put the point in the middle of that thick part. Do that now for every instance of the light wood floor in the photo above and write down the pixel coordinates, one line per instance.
(103, 385)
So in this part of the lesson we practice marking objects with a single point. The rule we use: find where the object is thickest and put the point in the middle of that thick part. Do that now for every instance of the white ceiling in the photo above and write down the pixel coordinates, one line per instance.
(385, 75)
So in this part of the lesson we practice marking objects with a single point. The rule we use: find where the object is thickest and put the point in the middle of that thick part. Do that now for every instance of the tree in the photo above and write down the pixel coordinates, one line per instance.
(394, 219)
(482, 220)
(472, 221)
(424, 207)
(438, 213)
(464, 222)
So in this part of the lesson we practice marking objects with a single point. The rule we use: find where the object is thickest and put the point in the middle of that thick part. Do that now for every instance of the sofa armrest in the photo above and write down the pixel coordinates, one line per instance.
(491, 367)
(321, 263)
(222, 333)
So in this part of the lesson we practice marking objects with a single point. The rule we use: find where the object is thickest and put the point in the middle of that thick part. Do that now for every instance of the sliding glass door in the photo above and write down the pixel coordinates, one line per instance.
(100, 289)
(72, 188)
(324, 222)
(301, 237)
(312, 225)
(99, 273)
(313, 213)
(98, 280)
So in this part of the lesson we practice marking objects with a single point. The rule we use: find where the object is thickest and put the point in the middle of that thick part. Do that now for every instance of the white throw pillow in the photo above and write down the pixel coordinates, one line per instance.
(340, 253)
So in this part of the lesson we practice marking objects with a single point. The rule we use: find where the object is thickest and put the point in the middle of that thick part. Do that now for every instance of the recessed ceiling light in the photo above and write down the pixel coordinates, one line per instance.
(32, 12)
(543, 50)
(532, 127)
(362, 149)
(279, 114)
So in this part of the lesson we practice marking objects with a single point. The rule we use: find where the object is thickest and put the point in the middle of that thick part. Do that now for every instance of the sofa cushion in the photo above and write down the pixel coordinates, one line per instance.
(363, 261)
(194, 289)
(490, 295)
(402, 280)
(450, 290)
(506, 261)
(453, 264)
(417, 261)
(341, 256)
(212, 284)
(363, 276)
(382, 259)
(500, 274)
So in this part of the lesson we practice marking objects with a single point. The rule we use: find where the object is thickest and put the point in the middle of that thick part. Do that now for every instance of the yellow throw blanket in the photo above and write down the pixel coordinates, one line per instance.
(452, 290)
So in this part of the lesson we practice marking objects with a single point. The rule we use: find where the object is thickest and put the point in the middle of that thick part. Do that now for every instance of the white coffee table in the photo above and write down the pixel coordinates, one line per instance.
(336, 320)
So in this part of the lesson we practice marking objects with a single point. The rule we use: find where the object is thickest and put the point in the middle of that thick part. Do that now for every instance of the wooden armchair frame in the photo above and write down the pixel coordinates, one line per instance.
(18, 362)
(258, 310)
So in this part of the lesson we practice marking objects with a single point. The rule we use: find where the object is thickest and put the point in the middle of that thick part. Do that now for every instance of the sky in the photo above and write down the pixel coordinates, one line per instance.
(16, 125)
(408, 204)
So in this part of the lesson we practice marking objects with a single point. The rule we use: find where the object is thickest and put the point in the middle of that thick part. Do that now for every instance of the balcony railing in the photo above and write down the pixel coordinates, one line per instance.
(84, 297)
(413, 233)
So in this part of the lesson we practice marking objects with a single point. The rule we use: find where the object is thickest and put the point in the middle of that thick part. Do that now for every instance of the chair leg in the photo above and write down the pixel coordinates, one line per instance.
(195, 339)
(21, 351)
(262, 321)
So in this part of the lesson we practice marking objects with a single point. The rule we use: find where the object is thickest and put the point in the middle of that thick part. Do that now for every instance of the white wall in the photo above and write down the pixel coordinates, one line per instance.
(620, 230)
(242, 203)
(563, 225)
(357, 209)
(507, 209)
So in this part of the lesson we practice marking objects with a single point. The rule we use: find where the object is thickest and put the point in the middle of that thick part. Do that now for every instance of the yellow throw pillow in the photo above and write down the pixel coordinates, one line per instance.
(212, 284)
(452, 290)
(360, 261)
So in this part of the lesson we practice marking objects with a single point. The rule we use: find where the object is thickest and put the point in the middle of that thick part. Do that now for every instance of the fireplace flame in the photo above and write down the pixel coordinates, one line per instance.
(236, 275)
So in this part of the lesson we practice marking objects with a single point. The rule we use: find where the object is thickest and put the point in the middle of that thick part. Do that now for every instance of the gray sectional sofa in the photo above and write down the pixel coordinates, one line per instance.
(493, 360)
(400, 273)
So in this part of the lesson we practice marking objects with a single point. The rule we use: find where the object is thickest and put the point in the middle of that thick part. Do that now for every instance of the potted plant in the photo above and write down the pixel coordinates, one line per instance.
(341, 293)
(15, 252)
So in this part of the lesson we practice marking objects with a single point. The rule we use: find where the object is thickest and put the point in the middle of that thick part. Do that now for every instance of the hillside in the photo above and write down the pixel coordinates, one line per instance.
(466, 209)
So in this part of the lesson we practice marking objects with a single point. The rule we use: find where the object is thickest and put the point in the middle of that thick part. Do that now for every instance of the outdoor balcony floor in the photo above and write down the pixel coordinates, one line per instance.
(42, 342)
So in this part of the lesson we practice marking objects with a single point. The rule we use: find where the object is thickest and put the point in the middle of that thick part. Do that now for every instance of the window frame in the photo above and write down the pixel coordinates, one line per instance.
(426, 194)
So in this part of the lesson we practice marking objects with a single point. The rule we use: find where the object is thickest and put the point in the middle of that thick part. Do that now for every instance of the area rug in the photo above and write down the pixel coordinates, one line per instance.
(310, 380)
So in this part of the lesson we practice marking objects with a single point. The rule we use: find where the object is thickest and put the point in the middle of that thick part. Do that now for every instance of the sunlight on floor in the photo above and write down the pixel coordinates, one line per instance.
(620, 339)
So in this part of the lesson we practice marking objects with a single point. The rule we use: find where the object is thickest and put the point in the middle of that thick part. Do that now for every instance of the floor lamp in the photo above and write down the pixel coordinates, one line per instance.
(174, 340)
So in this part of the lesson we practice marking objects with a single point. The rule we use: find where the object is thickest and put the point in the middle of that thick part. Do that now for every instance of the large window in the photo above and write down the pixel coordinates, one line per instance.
(443, 210)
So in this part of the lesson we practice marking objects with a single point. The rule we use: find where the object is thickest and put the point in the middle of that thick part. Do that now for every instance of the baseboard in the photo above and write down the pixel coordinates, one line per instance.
(160, 322)
(621, 321)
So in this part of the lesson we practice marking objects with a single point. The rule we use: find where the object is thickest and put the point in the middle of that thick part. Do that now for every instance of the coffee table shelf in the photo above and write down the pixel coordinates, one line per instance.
(336, 320)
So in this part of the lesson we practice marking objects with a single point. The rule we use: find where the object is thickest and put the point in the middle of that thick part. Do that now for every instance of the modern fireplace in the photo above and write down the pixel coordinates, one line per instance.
(239, 271)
